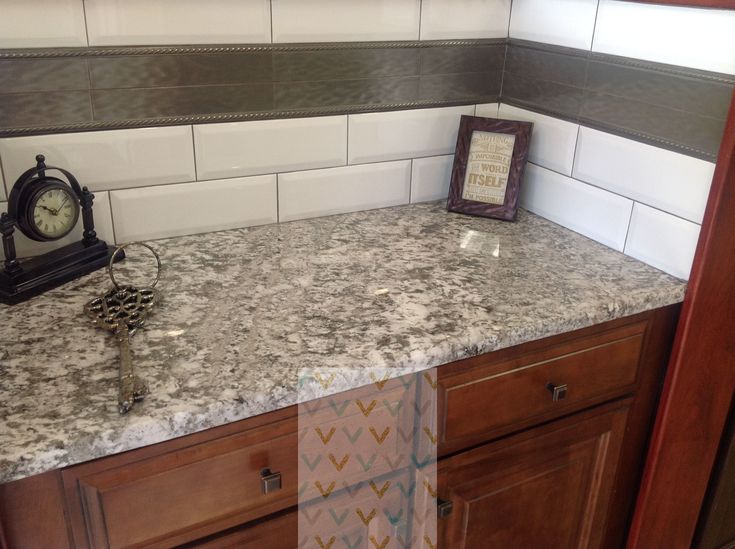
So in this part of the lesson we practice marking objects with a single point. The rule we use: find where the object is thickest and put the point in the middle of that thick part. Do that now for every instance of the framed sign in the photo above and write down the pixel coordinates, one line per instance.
(488, 166)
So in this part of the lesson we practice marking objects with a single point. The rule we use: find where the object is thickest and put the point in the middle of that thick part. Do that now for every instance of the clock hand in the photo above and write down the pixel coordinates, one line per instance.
(66, 198)
(47, 209)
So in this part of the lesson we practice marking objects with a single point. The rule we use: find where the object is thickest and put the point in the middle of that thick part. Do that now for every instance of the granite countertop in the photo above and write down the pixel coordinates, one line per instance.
(244, 312)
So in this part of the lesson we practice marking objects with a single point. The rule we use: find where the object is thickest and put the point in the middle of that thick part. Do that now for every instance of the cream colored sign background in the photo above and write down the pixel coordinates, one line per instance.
(488, 165)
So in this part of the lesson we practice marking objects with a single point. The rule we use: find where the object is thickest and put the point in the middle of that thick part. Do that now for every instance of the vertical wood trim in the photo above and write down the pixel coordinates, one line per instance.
(700, 382)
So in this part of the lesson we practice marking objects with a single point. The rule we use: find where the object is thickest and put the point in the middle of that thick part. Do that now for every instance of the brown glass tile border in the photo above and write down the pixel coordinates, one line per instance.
(671, 107)
(151, 86)
(80, 89)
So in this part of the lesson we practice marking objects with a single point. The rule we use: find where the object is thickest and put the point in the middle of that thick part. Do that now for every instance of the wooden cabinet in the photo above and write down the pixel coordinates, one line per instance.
(520, 465)
(716, 528)
(175, 495)
(548, 488)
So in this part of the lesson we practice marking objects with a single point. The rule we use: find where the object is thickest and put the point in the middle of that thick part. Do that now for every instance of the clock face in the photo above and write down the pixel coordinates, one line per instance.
(53, 211)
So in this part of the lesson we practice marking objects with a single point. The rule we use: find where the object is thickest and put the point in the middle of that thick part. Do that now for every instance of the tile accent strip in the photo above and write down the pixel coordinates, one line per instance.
(125, 87)
(97, 88)
(671, 107)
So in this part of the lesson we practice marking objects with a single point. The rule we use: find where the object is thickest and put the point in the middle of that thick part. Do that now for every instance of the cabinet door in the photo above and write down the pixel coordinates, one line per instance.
(547, 488)
(279, 532)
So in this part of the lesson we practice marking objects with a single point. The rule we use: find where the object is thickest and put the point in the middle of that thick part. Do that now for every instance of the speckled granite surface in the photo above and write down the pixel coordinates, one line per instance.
(404, 288)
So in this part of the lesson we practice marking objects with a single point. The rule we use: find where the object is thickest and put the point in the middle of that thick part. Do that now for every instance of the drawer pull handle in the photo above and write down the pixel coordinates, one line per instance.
(270, 482)
(444, 508)
(558, 392)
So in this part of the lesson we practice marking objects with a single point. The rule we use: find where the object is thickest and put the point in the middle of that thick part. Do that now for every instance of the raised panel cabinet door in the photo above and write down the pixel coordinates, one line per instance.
(273, 532)
(548, 488)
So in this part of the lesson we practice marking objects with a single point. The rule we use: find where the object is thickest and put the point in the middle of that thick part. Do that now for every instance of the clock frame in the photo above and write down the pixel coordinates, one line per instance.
(22, 279)
(26, 221)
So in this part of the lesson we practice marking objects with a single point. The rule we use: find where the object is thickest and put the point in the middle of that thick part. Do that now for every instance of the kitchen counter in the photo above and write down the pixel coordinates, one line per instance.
(247, 312)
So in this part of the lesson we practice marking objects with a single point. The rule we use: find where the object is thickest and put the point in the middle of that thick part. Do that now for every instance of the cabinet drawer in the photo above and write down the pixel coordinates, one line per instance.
(187, 493)
(518, 392)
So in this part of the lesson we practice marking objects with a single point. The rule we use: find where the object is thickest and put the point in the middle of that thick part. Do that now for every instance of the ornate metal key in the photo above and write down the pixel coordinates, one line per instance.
(122, 311)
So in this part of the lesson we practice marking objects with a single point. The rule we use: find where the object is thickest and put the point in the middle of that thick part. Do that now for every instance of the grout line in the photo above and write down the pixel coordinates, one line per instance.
(216, 179)
(616, 193)
(502, 75)
(194, 153)
(347, 143)
(89, 89)
(576, 146)
(505, 59)
(594, 25)
(271, 14)
(627, 230)
(112, 216)
(510, 16)
(421, 16)
(86, 25)
(410, 181)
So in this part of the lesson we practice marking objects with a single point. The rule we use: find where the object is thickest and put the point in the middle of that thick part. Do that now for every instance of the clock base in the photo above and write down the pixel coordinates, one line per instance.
(43, 272)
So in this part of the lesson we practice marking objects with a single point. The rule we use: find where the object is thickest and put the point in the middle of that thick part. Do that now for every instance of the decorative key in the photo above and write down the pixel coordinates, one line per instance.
(122, 311)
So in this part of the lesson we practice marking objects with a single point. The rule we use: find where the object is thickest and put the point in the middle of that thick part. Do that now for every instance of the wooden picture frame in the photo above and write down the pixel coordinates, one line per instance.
(488, 166)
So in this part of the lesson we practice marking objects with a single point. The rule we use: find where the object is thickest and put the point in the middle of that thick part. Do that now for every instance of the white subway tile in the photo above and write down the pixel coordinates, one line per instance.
(488, 110)
(693, 37)
(148, 22)
(270, 146)
(662, 240)
(404, 134)
(191, 208)
(561, 22)
(345, 20)
(338, 190)
(552, 140)
(25, 247)
(108, 160)
(666, 180)
(449, 19)
(595, 213)
(42, 23)
(430, 178)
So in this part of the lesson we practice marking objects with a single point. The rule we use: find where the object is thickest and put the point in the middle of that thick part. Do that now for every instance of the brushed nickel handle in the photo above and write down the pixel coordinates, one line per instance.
(444, 508)
(270, 482)
(558, 392)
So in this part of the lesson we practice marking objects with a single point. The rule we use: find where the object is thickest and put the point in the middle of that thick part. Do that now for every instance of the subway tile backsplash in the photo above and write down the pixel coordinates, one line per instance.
(625, 130)
(377, 137)
(663, 179)
(42, 23)
(553, 141)
(316, 193)
(107, 160)
(189, 208)
(345, 20)
(662, 240)
(593, 212)
(446, 19)
(430, 178)
(270, 146)
(562, 22)
(149, 22)
(690, 37)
